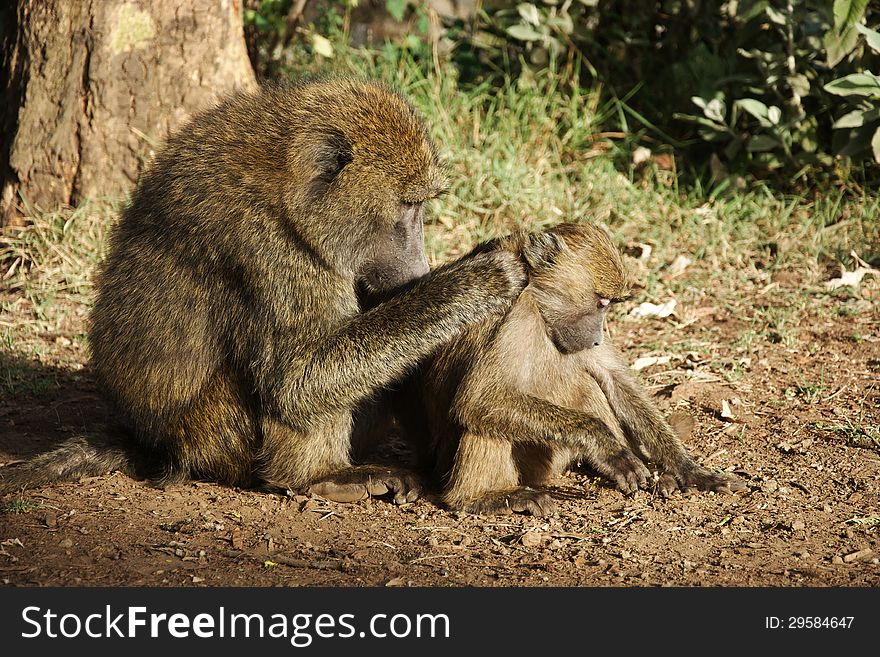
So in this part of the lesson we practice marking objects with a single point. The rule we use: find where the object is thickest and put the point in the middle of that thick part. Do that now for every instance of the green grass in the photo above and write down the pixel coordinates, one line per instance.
(52, 258)
(856, 434)
(21, 504)
(531, 154)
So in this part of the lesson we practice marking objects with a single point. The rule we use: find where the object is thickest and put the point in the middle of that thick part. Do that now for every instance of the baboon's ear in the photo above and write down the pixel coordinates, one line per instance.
(541, 249)
(332, 155)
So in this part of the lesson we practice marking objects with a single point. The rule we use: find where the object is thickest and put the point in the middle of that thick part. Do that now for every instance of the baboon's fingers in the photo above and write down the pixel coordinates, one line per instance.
(359, 483)
(628, 472)
(537, 503)
(703, 479)
(666, 485)
(729, 484)
(340, 492)
(520, 500)
(405, 487)
(376, 487)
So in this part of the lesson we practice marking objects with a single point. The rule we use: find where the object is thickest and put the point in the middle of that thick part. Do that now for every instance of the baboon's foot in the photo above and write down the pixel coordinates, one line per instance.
(519, 500)
(360, 482)
(693, 476)
(626, 470)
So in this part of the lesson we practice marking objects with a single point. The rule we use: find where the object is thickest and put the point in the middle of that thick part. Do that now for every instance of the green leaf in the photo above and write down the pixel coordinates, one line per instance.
(523, 33)
(872, 37)
(397, 8)
(855, 84)
(857, 117)
(857, 141)
(775, 15)
(322, 46)
(715, 110)
(847, 13)
(761, 143)
(841, 40)
(875, 145)
(700, 120)
(799, 84)
(746, 11)
(529, 13)
(838, 46)
(757, 109)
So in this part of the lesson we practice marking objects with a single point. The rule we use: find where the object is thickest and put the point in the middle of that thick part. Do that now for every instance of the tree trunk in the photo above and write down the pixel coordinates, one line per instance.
(91, 87)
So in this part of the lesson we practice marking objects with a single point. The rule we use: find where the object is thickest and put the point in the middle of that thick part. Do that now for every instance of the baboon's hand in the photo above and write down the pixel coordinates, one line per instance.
(694, 476)
(504, 272)
(518, 500)
(627, 471)
(361, 482)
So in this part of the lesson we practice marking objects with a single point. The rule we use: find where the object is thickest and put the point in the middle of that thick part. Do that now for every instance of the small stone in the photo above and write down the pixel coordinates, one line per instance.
(798, 525)
(197, 580)
(859, 555)
(836, 560)
(827, 508)
(769, 486)
(51, 519)
(66, 543)
(532, 539)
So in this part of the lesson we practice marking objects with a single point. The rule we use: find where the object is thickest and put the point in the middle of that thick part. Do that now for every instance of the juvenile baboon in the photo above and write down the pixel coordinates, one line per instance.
(514, 399)
(227, 328)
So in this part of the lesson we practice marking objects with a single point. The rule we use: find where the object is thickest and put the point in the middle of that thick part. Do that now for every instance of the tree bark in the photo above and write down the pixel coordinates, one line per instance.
(91, 87)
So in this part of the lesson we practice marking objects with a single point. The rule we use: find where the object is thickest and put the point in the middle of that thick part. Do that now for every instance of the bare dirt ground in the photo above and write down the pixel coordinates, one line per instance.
(800, 375)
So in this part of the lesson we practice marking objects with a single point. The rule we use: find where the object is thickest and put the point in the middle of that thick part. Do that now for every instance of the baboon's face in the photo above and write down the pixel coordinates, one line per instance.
(398, 256)
(575, 285)
(579, 329)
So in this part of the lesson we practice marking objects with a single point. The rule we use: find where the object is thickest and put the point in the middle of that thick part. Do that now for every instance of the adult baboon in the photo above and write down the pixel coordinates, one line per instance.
(227, 329)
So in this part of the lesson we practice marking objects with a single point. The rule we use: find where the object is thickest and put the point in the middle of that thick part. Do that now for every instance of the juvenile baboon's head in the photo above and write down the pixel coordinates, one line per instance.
(576, 273)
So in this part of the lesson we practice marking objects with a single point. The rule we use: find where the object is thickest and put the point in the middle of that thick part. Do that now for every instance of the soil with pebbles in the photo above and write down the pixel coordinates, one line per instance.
(796, 418)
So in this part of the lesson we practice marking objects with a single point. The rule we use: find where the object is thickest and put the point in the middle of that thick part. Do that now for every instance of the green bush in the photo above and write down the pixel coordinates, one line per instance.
(781, 89)
(751, 82)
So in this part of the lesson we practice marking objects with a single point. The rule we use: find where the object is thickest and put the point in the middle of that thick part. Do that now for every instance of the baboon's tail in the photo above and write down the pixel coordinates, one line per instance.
(72, 459)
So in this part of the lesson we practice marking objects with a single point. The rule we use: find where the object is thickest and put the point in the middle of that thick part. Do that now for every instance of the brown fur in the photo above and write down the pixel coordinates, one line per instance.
(507, 409)
(227, 328)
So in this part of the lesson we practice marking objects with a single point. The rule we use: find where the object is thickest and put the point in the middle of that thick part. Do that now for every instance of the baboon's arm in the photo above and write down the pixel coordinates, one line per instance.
(639, 417)
(379, 346)
(519, 417)
(649, 432)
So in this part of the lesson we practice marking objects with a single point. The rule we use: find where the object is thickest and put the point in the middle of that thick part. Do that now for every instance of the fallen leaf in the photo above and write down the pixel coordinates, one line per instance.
(647, 361)
(726, 413)
(396, 581)
(641, 155)
(648, 309)
(678, 265)
(852, 278)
